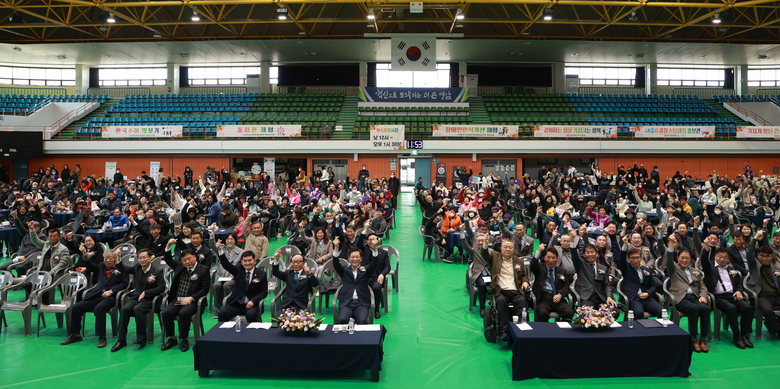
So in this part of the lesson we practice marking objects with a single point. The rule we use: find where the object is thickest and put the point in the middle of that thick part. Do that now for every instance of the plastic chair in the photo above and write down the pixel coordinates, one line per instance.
(126, 249)
(430, 246)
(328, 270)
(624, 298)
(39, 281)
(391, 251)
(336, 304)
(6, 279)
(288, 251)
(71, 283)
(33, 260)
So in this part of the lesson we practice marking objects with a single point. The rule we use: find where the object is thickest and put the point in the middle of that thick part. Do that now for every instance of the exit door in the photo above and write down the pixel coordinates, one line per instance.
(422, 168)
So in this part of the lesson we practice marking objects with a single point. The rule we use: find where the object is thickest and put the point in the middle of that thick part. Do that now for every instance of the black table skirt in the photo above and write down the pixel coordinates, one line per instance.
(551, 352)
(11, 236)
(271, 350)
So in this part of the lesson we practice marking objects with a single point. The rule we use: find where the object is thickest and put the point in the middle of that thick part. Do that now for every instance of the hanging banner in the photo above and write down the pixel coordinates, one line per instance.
(489, 131)
(674, 131)
(758, 132)
(259, 131)
(575, 132)
(154, 168)
(269, 167)
(110, 170)
(387, 137)
(141, 131)
(413, 95)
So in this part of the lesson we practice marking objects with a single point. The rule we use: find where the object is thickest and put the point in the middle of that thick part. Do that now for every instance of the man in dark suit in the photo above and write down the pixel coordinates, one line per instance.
(394, 186)
(738, 252)
(355, 298)
(764, 280)
(202, 253)
(298, 282)
(191, 281)
(509, 281)
(593, 283)
(371, 252)
(349, 238)
(149, 283)
(153, 237)
(250, 290)
(550, 286)
(724, 282)
(639, 284)
(100, 299)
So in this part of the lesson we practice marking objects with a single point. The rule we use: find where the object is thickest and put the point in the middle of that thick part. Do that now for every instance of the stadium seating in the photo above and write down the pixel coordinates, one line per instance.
(185, 103)
(14, 104)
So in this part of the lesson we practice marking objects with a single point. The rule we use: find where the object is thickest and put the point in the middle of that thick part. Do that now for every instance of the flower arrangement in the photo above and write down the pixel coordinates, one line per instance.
(298, 322)
(594, 318)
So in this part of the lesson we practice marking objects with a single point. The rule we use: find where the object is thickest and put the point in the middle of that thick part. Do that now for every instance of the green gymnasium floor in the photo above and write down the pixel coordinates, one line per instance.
(432, 341)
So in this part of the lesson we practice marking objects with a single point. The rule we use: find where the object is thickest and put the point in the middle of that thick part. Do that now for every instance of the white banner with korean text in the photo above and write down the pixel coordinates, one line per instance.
(688, 132)
(758, 132)
(575, 132)
(475, 131)
(141, 131)
(387, 137)
(259, 131)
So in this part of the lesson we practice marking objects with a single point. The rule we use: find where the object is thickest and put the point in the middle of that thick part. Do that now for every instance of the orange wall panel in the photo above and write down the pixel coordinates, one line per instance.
(696, 166)
(131, 166)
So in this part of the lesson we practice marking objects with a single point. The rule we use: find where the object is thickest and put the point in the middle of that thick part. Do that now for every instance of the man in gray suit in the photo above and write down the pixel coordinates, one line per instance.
(524, 244)
(593, 284)
(689, 293)
(764, 280)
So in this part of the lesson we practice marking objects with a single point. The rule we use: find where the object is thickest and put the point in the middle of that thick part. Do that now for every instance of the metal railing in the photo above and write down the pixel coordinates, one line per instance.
(50, 131)
(24, 90)
(120, 92)
(768, 91)
(286, 89)
(192, 90)
(611, 90)
(747, 114)
(703, 92)
(538, 90)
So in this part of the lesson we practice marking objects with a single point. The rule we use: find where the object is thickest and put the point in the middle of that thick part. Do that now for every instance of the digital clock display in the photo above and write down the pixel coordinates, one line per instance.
(414, 144)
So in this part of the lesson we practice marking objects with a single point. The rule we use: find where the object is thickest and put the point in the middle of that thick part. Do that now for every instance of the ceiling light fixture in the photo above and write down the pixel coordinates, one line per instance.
(460, 15)
(157, 35)
(195, 16)
(548, 14)
(185, 55)
(111, 18)
(281, 13)
(14, 18)
(716, 19)
(633, 16)
(60, 57)
(371, 15)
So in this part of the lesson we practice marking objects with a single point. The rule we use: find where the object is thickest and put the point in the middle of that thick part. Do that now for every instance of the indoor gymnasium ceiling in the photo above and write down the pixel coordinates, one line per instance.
(59, 21)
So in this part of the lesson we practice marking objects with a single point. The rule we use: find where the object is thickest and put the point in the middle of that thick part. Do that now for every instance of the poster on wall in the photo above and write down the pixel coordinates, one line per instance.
(110, 170)
(113, 132)
(154, 168)
(393, 164)
(575, 132)
(441, 173)
(269, 167)
(475, 131)
(387, 137)
(758, 132)
(689, 132)
(259, 131)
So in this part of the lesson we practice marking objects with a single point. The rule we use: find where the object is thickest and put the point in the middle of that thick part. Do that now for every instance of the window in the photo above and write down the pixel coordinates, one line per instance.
(133, 76)
(273, 75)
(603, 76)
(763, 77)
(691, 77)
(221, 75)
(37, 76)
(440, 78)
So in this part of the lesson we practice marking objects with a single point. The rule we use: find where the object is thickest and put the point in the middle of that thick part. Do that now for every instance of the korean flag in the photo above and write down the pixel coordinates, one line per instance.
(413, 53)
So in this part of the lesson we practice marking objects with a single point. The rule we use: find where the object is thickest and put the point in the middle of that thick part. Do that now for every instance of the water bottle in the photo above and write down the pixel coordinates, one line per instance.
(238, 323)
(351, 326)
(631, 319)
(5, 251)
(665, 317)
(524, 318)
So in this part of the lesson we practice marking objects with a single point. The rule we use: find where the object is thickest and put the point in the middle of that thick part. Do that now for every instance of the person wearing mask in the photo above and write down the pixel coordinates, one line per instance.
(363, 176)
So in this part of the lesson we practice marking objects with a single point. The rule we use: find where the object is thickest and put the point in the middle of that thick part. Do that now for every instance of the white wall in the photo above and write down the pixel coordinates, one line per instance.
(767, 111)
(46, 116)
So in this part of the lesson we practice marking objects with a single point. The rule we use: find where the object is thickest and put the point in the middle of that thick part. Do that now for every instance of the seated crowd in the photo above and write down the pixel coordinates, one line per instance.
(162, 245)
(630, 240)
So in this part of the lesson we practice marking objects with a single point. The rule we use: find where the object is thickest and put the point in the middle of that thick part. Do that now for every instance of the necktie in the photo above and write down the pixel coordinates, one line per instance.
(296, 278)
(595, 272)
(551, 277)
(248, 279)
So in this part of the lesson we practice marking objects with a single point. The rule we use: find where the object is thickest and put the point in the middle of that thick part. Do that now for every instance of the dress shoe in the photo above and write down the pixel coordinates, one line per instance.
(746, 340)
(141, 342)
(185, 345)
(703, 346)
(377, 313)
(771, 331)
(102, 342)
(120, 344)
(169, 344)
(739, 342)
(71, 339)
(503, 337)
(696, 346)
(482, 312)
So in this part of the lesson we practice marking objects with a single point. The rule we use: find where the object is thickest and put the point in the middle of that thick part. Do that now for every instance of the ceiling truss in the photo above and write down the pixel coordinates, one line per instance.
(52, 21)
